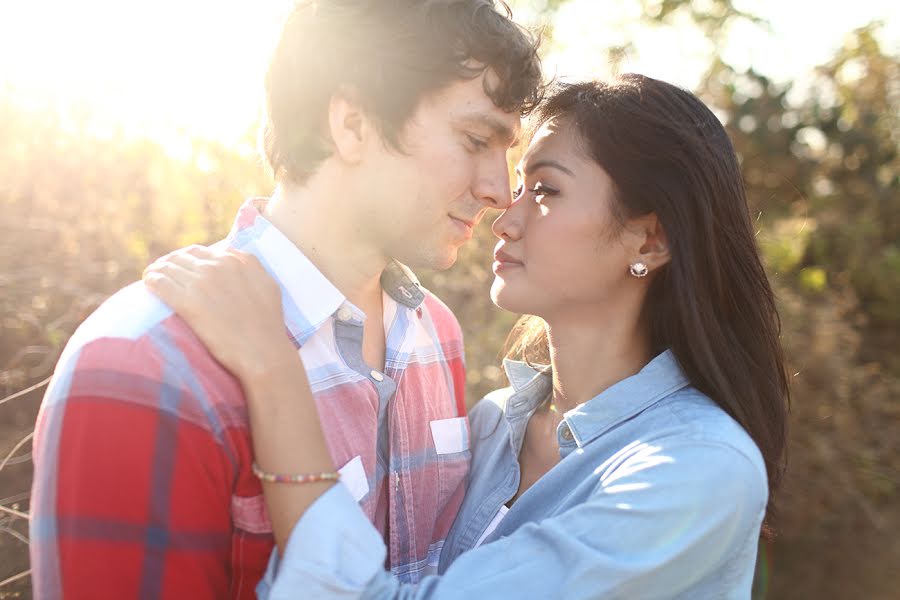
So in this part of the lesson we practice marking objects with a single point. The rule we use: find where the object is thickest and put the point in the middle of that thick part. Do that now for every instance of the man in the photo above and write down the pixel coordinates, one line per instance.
(387, 130)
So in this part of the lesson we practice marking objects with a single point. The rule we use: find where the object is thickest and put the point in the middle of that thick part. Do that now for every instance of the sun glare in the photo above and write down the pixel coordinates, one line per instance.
(142, 66)
(195, 67)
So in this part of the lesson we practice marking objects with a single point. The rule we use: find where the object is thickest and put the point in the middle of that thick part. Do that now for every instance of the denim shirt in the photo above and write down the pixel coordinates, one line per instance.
(658, 494)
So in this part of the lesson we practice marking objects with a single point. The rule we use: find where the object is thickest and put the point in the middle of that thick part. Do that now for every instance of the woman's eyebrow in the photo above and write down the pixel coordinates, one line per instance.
(550, 163)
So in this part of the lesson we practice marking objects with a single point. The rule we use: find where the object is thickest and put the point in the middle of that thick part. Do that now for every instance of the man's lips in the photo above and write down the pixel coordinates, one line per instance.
(470, 223)
(466, 227)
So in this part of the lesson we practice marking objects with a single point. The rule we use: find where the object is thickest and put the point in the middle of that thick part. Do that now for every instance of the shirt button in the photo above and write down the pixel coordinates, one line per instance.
(377, 376)
(344, 314)
(566, 433)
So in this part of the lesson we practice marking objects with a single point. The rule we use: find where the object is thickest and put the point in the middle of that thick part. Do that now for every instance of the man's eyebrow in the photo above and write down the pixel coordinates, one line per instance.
(549, 163)
(499, 129)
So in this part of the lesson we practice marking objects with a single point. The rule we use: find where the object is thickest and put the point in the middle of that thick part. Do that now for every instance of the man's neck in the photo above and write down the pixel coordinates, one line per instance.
(315, 221)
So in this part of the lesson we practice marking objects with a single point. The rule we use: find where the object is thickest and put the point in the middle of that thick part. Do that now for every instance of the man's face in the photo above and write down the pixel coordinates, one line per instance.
(425, 201)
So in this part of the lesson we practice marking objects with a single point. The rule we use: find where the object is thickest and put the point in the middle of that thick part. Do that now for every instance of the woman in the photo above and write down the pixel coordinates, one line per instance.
(640, 461)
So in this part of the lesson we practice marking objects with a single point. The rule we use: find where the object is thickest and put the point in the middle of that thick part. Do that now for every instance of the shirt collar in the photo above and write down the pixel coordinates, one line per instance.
(659, 378)
(401, 284)
(308, 297)
(530, 384)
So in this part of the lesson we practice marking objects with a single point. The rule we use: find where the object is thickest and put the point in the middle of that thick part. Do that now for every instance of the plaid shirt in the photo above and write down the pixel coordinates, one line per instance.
(143, 486)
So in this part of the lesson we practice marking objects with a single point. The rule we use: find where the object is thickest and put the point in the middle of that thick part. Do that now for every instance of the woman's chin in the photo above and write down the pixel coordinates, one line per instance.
(506, 298)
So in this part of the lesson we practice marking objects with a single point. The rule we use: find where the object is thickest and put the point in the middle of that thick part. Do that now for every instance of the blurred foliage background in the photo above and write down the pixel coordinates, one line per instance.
(84, 209)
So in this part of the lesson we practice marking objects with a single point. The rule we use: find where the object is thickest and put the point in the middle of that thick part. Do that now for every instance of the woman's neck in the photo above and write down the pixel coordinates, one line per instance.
(591, 353)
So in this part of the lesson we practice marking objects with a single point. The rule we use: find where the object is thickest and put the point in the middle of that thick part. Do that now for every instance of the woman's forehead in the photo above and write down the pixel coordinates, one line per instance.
(553, 137)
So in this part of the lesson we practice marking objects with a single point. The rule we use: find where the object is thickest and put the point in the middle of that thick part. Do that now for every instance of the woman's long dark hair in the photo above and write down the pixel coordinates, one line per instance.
(668, 154)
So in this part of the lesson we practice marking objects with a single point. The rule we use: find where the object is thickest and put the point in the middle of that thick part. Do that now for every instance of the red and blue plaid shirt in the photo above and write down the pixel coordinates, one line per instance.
(143, 485)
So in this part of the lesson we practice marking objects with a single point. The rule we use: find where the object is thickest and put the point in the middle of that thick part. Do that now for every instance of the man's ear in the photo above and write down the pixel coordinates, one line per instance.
(653, 248)
(348, 126)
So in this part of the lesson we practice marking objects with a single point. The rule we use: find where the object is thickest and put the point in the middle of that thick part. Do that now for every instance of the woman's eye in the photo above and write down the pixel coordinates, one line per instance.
(541, 192)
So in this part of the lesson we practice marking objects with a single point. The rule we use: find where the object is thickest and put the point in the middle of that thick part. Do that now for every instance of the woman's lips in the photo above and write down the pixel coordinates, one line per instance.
(505, 262)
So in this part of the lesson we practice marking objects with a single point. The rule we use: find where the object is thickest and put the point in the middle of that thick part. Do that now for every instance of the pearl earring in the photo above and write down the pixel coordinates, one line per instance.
(639, 269)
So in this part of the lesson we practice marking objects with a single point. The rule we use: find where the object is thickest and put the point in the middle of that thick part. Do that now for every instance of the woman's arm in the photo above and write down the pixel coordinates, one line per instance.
(234, 307)
(287, 439)
(666, 517)
(665, 523)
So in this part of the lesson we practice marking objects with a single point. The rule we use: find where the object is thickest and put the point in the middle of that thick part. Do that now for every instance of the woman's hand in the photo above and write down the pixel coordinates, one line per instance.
(234, 307)
(230, 302)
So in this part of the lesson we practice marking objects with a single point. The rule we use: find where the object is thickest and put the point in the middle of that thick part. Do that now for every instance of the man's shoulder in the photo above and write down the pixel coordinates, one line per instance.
(135, 347)
(128, 319)
(444, 320)
(128, 314)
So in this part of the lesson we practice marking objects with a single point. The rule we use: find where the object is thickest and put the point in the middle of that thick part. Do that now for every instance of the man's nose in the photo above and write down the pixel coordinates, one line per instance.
(492, 184)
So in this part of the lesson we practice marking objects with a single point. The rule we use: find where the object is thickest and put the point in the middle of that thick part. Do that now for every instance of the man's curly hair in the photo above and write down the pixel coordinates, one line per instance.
(390, 53)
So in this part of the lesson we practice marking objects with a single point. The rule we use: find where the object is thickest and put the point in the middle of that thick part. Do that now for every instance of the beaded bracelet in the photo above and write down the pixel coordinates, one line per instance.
(303, 478)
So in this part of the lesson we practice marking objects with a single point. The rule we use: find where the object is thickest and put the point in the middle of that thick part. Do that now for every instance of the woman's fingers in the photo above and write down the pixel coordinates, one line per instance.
(193, 250)
(176, 279)
(240, 254)
(214, 290)
(258, 281)
(197, 250)
(198, 268)
(176, 267)
(169, 289)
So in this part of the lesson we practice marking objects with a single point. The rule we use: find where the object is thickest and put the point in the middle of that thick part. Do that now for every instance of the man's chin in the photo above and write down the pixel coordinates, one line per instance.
(447, 261)
(438, 259)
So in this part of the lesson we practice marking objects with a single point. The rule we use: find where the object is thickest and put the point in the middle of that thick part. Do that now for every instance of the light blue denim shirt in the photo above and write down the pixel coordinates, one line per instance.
(658, 494)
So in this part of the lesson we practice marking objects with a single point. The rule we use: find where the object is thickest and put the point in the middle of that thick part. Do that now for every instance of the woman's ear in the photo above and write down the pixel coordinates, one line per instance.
(348, 126)
(653, 248)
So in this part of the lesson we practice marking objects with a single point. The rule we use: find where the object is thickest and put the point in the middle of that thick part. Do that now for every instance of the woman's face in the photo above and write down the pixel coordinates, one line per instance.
(560, 246)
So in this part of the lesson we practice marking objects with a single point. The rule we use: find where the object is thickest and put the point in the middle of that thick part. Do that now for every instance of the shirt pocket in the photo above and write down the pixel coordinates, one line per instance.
(353, 477)
(451, 444)
(248, 513)
(450, 436)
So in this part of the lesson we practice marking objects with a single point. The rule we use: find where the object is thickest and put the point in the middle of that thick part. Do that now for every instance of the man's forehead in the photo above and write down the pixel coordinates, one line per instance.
(466, 102)
(502, 125)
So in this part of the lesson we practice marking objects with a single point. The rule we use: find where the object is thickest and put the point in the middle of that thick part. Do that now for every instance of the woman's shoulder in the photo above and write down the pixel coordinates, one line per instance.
(694, 419)
(489, 411)
(691, 452)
